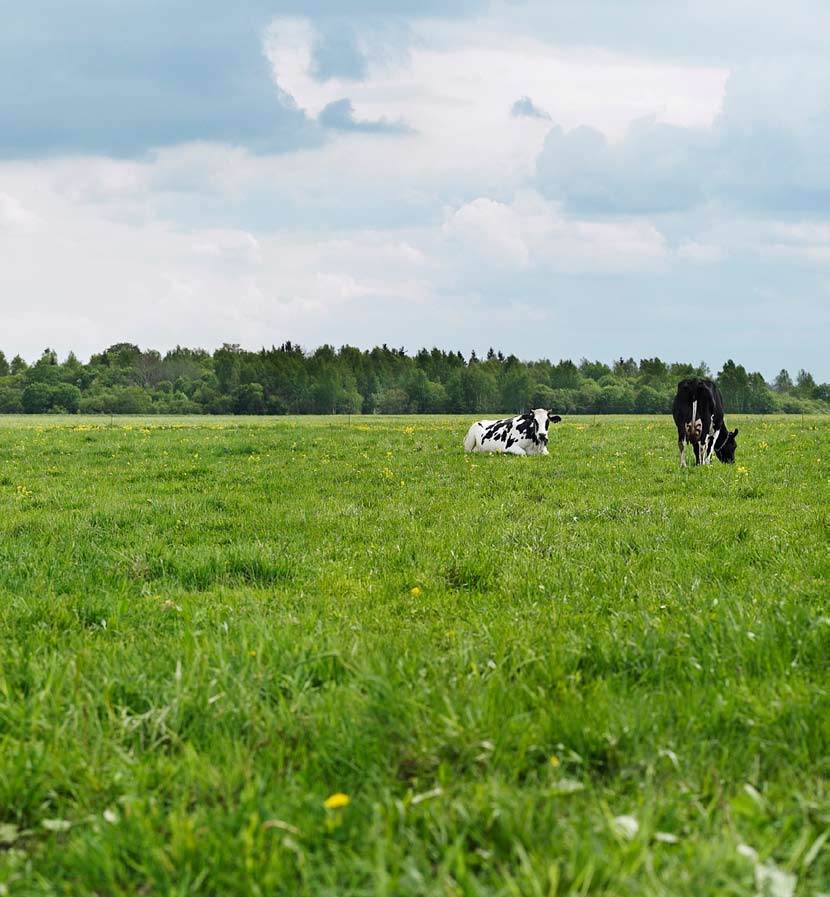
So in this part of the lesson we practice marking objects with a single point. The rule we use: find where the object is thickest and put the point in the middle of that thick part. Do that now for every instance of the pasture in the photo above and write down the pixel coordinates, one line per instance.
(589, 673)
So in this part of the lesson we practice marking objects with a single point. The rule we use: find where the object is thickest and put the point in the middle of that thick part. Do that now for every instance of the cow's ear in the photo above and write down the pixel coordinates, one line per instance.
(554, 418)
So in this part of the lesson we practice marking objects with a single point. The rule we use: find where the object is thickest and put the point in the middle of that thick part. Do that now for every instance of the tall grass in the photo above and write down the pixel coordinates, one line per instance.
(591, 673)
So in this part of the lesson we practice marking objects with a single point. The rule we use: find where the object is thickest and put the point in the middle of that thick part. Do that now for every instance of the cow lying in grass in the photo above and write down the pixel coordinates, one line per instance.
(698, 414)
(526, 434)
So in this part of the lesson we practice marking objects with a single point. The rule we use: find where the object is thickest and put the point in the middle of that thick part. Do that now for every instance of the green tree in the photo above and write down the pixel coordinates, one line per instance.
(122, 355)
(325, 391)
(595, 370)
(45, 369)
(783, 382)
(588, 397)
(626, 369)
(805, 385)
(543, 397)
(565, 375)
(227, 362)
(36, 398)
(249, 398)
(392, 400)
(653, 371)
(416, 388)
(565, 401)
(615, 398)
(10, 400)
(66, 397)
(516, 390)
(471, 389)
(130, 400)
(759, 398)
(648, 400)
(349, 401)
(436, 398)
(733, 382)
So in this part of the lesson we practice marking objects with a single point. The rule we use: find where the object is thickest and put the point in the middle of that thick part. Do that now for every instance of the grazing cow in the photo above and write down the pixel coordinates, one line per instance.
(526, 434)
(698, 414)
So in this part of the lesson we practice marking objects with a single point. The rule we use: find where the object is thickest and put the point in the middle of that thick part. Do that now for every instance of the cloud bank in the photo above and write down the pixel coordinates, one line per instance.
(464, 174)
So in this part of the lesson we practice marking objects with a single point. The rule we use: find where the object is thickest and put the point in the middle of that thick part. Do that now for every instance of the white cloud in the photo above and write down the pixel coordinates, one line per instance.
(16, 218)
(532, 233)
(440, 235)
(456, 86)
(474, 72)
(489, 232)
(704, 253)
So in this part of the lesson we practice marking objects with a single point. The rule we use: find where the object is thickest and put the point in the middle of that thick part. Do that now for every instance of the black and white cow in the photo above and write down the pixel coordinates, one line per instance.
(526, 434)
(698, 414)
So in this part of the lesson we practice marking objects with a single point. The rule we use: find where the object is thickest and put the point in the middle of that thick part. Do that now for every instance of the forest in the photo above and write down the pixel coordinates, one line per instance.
(287, 379)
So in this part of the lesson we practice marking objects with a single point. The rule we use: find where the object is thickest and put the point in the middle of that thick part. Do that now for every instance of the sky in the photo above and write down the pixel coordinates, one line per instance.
(553, 178)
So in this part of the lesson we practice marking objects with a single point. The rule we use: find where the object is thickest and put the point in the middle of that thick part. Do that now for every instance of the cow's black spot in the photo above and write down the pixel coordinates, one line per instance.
(526, 426)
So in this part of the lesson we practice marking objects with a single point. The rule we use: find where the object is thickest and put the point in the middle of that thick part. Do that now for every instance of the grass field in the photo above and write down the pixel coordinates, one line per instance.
(589, 673)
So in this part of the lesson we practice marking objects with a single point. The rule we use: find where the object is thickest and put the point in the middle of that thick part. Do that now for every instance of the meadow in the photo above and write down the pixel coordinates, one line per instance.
(334, 656)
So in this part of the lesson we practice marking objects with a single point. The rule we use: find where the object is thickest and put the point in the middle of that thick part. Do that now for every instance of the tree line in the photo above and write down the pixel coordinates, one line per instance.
(125, 379)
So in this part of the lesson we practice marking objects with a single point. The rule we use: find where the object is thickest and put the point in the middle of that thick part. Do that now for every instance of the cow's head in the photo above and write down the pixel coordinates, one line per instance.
(540, 419)
(726, 452)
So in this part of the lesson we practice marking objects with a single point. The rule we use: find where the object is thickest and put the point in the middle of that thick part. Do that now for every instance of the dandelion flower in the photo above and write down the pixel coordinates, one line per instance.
(554, 761)
(415, 591)
(252, 653)
(337, 801)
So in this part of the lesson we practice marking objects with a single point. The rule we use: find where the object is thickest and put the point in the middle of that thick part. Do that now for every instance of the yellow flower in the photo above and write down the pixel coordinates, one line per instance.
(743, 471)
(337, 801)
(554, 761)
(415, 591)
(252, 653)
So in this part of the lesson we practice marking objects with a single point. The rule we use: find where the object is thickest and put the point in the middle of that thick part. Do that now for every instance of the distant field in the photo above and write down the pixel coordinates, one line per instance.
(591, 673)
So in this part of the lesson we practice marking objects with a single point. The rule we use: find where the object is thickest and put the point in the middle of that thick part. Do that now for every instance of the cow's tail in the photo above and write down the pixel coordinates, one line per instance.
(471, 439)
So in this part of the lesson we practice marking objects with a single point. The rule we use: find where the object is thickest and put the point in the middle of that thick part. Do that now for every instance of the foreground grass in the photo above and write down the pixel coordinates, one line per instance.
(591, 673)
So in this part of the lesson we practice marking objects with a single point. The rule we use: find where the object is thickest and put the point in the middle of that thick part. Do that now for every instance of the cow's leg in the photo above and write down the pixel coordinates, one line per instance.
(682, 444)
(707, 448)
(710, 442)
(514, 449)
(713, 444)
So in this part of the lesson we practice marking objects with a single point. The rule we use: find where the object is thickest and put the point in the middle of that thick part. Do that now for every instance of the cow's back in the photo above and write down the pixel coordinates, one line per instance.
(687, 392)
(702, 395)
